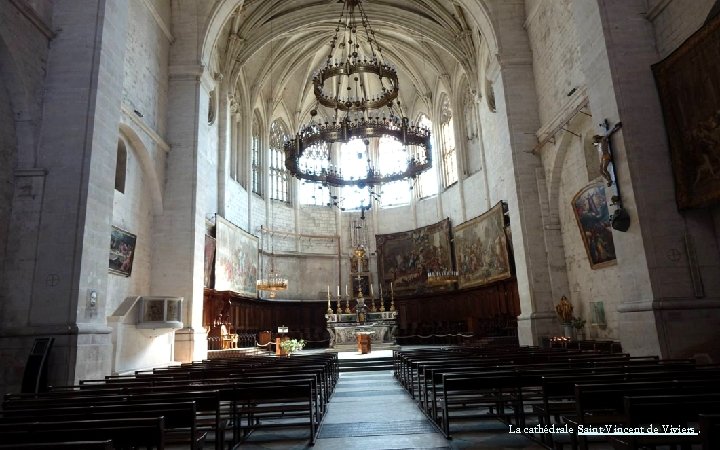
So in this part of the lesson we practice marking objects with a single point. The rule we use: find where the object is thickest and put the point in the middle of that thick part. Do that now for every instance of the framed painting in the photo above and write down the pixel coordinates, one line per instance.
(236, 259)
(405, 258)
(593, 219)
(688, 83)
(122, 251)
(481, 249)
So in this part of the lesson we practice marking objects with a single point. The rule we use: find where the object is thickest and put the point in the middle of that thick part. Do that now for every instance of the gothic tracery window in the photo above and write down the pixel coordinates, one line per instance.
(427, 185)
(279, 176)
(448, 153)
(256, 166)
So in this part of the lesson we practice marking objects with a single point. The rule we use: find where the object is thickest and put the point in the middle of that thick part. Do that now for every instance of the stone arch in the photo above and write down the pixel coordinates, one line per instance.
(146, 163)
(479, 12)
(218, 17)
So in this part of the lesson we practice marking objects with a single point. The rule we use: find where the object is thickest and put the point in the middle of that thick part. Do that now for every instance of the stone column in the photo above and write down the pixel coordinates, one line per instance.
(61, 227)
(517, 99)
(178, 256)
(662, 312)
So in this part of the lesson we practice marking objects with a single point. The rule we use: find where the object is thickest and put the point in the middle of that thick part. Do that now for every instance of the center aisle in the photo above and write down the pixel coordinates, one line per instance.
(370, 411)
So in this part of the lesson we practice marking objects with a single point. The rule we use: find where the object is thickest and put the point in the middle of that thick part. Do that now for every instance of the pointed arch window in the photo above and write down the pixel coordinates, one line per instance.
(279, 176)
(447, 150)
(255, 159)
(121, 167)
(427, 184)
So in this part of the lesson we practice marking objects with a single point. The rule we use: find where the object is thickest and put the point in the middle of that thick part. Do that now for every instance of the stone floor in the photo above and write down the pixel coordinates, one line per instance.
(371, 411)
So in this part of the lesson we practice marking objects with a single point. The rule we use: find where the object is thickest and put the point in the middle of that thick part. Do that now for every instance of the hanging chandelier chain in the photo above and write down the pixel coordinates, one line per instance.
(362, 104)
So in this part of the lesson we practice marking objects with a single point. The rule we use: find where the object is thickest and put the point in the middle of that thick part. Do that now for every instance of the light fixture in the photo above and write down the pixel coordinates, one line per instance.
(442, 277)
(273, 281)
(356, 84)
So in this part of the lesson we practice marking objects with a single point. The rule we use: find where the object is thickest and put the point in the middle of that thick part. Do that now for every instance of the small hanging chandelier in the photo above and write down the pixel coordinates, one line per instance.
(273, 282)
(357, 83)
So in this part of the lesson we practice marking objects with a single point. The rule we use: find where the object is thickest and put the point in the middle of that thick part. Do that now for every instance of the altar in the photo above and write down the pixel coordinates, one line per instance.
(381, 327)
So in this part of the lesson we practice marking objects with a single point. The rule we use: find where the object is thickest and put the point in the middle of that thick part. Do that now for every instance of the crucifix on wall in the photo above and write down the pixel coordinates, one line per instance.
(620, 219)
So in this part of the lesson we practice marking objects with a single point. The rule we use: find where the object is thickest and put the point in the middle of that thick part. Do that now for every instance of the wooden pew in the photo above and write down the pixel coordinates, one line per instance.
(678, 410)
(73, 445)
(125, 433)
(180, 418)
(709, 431)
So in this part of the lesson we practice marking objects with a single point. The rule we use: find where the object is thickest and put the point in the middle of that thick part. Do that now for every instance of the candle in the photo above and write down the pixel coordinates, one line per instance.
(392, 291)
(328, 290)
(372, 294)
(381, 290)
(346, 290)
(338, 291)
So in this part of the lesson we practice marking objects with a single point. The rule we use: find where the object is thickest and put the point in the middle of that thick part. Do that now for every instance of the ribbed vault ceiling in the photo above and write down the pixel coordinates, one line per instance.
(272, 47)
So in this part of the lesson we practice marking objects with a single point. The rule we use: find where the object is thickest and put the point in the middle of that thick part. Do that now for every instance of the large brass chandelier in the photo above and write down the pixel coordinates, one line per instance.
(361, 91)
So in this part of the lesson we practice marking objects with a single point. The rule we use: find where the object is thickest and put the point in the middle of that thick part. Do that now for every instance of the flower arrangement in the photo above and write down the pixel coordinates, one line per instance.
(578, 323)
(292, 345)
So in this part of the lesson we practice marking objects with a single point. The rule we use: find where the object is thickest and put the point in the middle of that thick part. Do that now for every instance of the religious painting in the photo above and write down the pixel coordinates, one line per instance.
(209, 260)
(593, 219)
(405, 258)
(122, 251)
(481, 249)
(236, 259)
(688, 83)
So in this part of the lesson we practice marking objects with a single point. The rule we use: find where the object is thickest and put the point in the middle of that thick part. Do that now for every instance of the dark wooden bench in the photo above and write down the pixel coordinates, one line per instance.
(709, 425)
(180, 418)
(682, 411)
(124, 433)
(74, 445)
(262, 406)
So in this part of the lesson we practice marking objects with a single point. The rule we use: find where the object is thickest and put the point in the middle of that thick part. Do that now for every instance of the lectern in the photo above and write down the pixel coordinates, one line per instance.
(364, 343)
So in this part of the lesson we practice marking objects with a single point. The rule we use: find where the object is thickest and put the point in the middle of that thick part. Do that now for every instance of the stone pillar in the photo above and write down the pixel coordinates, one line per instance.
(178, 257)
(517, 99)
(61, 227)
(659, 313)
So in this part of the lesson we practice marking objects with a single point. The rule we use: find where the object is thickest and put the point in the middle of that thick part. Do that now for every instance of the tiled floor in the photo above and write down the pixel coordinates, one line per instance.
(370, 411)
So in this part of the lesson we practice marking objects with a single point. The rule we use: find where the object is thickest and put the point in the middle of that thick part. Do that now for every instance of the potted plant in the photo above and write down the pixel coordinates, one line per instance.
(579, 324)
(290, 346)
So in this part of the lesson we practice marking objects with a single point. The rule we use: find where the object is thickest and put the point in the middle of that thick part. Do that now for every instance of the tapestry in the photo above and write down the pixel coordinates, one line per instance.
(688, 83)
(209, 260)
(481, 250)
(593, 218)
(405, 258)
(236, 259)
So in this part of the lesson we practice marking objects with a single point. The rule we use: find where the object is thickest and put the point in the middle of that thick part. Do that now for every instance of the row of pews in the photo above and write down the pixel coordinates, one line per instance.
(567, 397)
(178, 407)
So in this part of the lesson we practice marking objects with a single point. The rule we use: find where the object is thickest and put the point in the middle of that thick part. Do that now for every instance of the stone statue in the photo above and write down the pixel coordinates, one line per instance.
(564, 310)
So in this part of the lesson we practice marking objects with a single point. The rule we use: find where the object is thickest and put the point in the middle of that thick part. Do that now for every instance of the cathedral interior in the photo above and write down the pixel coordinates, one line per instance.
(180, 178)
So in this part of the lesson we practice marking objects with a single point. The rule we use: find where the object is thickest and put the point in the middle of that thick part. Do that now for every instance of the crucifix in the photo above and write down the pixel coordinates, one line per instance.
(602, 142)
(620, 219)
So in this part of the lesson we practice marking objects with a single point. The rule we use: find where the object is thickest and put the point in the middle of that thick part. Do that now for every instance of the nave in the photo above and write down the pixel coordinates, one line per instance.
(430, 397)
(370, 410)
